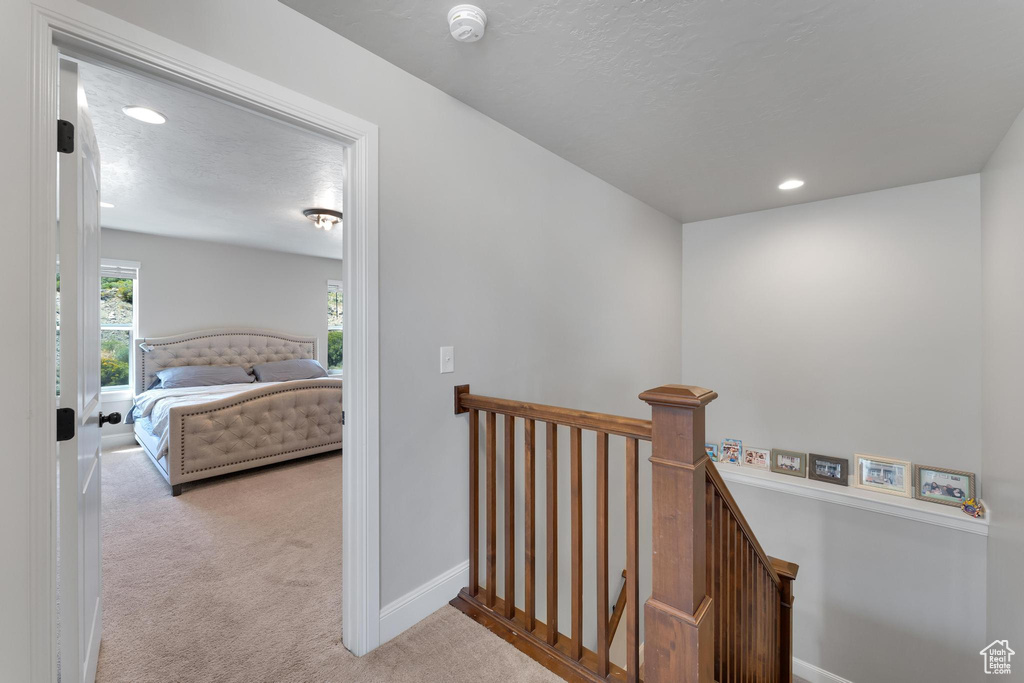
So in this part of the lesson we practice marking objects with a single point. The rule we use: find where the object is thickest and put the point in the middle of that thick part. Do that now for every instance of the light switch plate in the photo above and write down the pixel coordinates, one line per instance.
(447, 359)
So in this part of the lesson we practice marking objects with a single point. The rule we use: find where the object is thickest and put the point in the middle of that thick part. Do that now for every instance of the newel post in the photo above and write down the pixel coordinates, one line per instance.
(679, 642)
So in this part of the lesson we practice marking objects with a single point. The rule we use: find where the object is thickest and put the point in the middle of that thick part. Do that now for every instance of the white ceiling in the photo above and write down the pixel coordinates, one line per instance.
(213, 171)
(702, 107)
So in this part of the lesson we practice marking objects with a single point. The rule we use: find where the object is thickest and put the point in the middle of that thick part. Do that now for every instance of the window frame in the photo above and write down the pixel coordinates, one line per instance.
(124, 391)
(335, 285)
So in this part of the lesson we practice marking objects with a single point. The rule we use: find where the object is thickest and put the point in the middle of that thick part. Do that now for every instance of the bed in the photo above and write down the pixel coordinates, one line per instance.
(200, 432)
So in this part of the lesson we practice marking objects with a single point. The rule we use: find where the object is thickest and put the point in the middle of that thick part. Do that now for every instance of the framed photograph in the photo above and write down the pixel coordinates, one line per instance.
(757, 457)
(828, 469)
(939, 485)
(732, 451)
(711, 450)
(793, 463)
(875, 473)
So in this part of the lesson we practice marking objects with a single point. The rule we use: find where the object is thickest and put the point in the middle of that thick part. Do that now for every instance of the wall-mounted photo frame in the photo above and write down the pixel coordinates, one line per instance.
(756, 457)
(828, 469)
(793, 463)
(943, 486)
(885, 475)
(711, 450)
(732, 451)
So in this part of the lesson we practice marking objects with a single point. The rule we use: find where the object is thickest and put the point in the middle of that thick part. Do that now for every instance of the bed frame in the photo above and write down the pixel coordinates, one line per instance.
(268, 424)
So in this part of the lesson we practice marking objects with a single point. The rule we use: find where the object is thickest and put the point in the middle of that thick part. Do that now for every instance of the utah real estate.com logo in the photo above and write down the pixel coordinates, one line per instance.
(997, 657)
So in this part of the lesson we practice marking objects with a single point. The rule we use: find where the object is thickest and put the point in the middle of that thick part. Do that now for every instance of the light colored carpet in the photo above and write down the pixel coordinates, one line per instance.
(239, 579)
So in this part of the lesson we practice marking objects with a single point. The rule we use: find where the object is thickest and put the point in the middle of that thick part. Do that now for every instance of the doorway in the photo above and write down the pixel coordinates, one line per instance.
(182, 67)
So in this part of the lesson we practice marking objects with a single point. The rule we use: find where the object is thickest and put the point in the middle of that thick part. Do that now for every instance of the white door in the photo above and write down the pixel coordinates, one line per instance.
(79, 458)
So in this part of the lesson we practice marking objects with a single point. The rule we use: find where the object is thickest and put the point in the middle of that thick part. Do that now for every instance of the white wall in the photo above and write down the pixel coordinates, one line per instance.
(497, 246)
(187, 285)
(192, 285)
(1002, 246)
(842, 326)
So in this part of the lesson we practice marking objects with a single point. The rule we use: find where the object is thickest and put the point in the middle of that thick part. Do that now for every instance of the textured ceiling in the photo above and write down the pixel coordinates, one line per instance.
(701, 107)
(213, 171)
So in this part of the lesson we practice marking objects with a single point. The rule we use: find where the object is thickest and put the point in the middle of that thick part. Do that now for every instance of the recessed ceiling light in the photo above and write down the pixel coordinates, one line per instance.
(144, 114)
(791, 184)
(323, 219)
(106, 205)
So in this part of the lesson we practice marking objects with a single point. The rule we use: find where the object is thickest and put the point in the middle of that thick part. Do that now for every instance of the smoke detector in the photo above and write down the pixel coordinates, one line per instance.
(467, 23)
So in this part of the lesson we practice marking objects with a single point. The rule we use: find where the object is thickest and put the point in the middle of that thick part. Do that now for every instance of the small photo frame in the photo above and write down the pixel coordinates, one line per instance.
(828, 469)
(711, 450)
(939, 485)
(793, 463)
(886, 475)
(732, 451)
(757, 457)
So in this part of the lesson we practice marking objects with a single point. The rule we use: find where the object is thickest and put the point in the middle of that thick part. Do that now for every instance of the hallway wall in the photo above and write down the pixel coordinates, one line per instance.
(853, 325)
(1002, 245)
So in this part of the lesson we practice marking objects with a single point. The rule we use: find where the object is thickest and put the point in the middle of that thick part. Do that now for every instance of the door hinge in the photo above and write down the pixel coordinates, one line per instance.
(65, 424)
(343, 418)
(65, 136)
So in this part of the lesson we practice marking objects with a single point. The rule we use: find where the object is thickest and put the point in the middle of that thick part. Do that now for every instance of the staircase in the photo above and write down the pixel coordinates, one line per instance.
(720, 608)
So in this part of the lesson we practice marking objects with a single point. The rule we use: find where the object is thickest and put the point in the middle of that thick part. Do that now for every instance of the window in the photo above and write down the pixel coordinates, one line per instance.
(335, 334)
(118, 289)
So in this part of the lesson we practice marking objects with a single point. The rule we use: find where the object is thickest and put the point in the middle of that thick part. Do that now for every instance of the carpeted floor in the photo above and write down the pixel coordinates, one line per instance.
(239, 579)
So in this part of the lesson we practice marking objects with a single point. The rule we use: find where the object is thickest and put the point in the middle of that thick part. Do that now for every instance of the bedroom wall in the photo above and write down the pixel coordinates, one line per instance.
(1002, 243)
(842, 326)
(192, 285)
(552, 285)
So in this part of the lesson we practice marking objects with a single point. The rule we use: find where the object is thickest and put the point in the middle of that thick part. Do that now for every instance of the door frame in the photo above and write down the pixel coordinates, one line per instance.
(79, 30)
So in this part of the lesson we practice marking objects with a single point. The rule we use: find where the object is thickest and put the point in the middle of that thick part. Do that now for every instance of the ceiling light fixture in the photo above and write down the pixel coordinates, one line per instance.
(144, 114)
(467, 23)
(106, 205)
(791, 184)
(323, 219)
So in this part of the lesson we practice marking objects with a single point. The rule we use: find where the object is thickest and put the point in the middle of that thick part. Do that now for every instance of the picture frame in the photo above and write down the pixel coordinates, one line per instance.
(944, 486)
(793, 463)
(828, 469)
(711, 450)
(731, 452)
(885, 475)
(756, 457)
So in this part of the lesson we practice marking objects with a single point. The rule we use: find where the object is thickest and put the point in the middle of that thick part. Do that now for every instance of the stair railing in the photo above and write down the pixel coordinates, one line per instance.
(720, 608)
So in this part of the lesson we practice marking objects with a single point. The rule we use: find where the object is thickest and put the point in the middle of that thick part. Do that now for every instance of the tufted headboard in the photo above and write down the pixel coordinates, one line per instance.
(230, 346)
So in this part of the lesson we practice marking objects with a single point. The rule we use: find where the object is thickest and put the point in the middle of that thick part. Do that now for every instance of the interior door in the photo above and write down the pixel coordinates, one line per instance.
(79, 458)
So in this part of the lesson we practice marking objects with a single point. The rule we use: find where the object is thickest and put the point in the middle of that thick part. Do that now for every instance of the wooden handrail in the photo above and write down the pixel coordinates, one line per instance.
(580, 419)
(716, 480)
(785, 570)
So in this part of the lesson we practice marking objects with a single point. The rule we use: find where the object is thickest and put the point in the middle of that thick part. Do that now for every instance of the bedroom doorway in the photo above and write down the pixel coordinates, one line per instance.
(355, 284)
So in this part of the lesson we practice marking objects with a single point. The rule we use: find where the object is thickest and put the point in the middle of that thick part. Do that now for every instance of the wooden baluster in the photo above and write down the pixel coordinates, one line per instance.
(576, 541)
(734, 587)
(786, 629)
(530, 513)
(510, 517)
(474, 502)
(552, 532)
(603, 612)
(722, 614)
(712, 564)
(679, 619)
(632, 561)
(492, 509)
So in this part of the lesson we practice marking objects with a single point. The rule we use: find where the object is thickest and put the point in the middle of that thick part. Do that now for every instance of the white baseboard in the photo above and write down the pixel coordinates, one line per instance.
(119, 440)
(420, 603)
(814, 674)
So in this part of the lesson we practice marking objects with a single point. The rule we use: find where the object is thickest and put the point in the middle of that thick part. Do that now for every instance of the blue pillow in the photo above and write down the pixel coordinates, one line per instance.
(287, 370)
(202, 376)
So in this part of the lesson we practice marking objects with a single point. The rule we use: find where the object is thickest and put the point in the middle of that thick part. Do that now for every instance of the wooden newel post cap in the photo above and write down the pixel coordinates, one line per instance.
(679, 395)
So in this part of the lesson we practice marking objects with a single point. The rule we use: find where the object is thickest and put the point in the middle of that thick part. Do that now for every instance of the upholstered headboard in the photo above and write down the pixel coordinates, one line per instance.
(230, 346)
